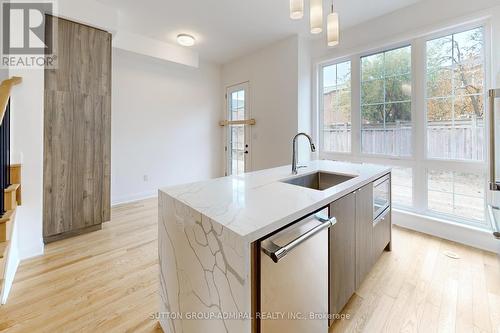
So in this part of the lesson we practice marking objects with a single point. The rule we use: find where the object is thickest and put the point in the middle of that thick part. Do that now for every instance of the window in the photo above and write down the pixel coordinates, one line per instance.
(402, 186)
(337, 107)
(438, 156)
(455, 96)
(386, 103)
(456, 193)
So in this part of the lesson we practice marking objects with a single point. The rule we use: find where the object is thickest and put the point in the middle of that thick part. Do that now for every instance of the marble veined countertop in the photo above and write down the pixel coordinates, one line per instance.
(255, 204)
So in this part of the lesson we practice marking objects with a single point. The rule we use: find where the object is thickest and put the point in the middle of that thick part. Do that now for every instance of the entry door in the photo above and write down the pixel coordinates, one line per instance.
(237, 136)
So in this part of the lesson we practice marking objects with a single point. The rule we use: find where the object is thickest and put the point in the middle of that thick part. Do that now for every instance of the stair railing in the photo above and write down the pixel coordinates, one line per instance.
(5, 90)
(4, 156)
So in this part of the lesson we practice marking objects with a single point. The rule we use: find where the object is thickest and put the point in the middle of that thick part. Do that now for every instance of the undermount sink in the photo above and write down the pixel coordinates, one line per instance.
(319, 180)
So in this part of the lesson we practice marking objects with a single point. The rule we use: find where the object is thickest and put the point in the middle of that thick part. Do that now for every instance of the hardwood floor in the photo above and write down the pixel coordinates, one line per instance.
(416, 288)
(107, 281)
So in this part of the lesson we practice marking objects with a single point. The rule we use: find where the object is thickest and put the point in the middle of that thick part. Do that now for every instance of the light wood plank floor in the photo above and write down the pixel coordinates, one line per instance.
(107, 281)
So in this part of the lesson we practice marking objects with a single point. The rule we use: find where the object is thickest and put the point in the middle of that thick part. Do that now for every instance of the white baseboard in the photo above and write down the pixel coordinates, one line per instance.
(133, 197)
(470, 236)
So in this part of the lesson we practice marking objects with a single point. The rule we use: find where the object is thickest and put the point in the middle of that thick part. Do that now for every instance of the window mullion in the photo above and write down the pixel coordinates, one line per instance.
(419, 129)
(356, 105)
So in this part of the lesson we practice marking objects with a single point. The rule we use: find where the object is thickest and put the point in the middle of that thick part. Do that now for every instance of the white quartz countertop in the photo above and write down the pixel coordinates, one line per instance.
(255, 204)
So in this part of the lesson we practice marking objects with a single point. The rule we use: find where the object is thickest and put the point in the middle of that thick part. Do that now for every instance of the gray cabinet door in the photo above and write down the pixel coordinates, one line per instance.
(342, 253)
(364, 232)
(382, 234)
(77, 127)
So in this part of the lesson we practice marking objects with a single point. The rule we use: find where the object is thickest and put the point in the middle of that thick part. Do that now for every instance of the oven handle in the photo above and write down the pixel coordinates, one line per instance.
(276, 253)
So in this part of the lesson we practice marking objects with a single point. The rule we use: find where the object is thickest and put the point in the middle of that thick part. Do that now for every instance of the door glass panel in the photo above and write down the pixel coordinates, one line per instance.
(237, 146)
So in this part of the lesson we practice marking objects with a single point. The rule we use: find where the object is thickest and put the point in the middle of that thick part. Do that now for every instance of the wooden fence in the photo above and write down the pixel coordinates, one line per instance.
(461, 140)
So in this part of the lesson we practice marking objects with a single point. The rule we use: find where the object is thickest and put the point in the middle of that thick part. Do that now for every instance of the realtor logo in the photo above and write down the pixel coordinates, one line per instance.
(24, 40)
(24, 28)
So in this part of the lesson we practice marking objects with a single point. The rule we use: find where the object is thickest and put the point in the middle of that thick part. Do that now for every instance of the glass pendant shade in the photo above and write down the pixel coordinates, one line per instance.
(333, 29)
(296, 9)
(316, 16)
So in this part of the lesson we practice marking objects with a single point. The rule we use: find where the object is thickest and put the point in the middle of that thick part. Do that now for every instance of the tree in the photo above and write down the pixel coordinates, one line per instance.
(455, 68)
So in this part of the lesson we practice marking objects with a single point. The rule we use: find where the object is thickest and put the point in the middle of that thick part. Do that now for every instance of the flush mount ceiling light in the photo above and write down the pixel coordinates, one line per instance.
(185, 40)
(316, 16)
(332, 28)
(296, 9)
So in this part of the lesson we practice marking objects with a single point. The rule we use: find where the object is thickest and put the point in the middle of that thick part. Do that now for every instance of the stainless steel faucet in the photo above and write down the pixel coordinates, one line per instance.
(294, 150)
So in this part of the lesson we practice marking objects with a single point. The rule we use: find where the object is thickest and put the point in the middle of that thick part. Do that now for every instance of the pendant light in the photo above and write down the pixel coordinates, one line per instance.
(296, 9)
(332, 28)
(316, 16)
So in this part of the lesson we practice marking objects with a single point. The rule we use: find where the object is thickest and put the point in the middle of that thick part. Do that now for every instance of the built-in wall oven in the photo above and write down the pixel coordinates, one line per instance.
(381, 195)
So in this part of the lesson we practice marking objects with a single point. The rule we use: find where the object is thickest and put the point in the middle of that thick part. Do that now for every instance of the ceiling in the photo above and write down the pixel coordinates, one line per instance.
(227, 29)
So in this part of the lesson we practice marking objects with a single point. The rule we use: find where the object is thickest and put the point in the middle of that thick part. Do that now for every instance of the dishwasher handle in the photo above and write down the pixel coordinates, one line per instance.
(276, 253)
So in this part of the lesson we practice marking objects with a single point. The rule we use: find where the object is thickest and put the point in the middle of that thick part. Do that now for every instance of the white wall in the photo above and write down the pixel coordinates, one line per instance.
(273, 76)
(4, 74)
(304, 85)
(164, 125)
(27, 148)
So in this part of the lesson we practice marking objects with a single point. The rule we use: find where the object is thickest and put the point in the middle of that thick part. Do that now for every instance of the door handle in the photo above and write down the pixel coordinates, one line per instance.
(276, 252)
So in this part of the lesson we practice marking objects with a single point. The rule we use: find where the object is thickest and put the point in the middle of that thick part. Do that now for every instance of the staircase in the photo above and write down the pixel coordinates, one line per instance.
(10, 189)
(12, 199)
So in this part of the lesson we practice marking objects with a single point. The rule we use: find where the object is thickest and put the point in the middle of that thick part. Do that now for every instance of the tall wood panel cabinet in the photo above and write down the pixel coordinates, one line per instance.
(77, 129)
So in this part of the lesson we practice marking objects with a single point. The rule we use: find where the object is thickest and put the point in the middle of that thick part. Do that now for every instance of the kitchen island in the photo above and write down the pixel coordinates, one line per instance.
(207, 231)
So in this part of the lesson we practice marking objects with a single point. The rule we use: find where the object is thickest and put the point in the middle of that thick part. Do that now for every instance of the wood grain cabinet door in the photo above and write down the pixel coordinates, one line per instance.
(364, 232)
(77, 128)
(342, 253)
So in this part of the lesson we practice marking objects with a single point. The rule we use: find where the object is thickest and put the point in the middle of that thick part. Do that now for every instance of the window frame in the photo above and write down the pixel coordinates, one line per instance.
(486, 84)
(418, 161)
(321, 104)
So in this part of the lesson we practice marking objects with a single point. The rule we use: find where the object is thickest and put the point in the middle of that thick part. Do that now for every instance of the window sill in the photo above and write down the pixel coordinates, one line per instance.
(446, 229)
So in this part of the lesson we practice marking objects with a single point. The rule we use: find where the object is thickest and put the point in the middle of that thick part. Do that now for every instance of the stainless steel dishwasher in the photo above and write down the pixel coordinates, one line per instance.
(294, 277)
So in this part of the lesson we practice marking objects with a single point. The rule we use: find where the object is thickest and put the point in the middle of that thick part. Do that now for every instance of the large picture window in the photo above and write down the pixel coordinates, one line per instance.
(337, 107)
(424, 117)
(455, 96)
(386, 103)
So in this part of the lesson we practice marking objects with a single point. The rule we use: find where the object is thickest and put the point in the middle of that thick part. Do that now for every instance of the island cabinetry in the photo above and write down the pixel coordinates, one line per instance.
(342, 252)
(382, 233)
(364, 232)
